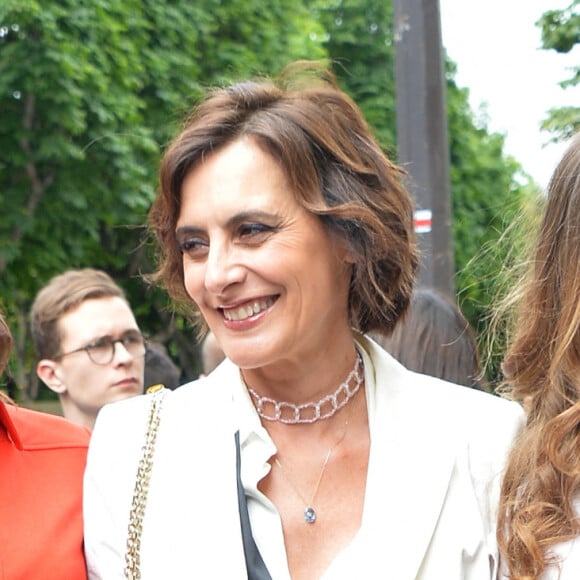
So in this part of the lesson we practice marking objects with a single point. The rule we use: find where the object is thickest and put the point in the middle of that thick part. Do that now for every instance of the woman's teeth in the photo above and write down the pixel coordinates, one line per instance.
(243, 312)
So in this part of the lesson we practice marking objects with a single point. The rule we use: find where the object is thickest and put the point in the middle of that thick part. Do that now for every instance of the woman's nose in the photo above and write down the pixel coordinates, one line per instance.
(223, 268)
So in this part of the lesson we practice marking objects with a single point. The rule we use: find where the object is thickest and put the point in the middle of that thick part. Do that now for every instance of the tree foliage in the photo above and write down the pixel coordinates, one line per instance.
(561, 32)
(359, 40)
(90, 92)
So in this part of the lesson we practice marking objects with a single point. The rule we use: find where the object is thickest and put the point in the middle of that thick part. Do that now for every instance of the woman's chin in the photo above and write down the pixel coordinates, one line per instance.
(248, 358)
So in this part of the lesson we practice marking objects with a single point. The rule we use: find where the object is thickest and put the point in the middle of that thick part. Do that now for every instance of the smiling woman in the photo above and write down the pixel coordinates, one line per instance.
(286, 230)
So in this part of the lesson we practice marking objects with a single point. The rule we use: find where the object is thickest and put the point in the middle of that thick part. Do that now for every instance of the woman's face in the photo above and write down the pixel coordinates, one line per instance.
(269, 279)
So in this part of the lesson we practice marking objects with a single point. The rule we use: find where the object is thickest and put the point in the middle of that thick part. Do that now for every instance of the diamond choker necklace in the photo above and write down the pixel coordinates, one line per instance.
(292, 414)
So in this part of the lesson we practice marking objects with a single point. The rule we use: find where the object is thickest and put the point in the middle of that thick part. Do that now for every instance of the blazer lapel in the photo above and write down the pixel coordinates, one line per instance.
(202, 533)
(410, 467)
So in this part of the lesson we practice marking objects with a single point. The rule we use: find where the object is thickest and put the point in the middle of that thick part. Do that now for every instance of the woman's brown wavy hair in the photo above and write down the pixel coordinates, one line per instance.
(335, 167)
(542, 369)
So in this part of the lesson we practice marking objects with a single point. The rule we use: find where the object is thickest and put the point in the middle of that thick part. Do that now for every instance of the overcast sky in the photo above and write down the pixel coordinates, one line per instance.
(496, 46)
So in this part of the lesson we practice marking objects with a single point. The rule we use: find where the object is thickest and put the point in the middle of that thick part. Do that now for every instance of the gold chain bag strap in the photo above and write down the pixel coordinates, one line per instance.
(132, 569)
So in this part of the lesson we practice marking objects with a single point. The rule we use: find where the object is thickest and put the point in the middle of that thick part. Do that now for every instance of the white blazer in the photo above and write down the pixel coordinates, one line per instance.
(444, 449)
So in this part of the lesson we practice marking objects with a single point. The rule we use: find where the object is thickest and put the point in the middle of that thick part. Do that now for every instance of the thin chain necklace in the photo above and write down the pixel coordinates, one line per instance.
(292, 414)
(309, 511)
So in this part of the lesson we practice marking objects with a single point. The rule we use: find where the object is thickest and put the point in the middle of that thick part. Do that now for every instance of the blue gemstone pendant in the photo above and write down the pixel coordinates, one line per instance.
(309, 515)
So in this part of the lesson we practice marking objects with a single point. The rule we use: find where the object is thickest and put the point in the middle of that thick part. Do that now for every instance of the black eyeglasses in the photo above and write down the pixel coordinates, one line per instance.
(102, 351)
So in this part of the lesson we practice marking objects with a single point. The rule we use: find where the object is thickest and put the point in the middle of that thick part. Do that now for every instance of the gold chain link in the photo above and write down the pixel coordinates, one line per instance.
(132, 569)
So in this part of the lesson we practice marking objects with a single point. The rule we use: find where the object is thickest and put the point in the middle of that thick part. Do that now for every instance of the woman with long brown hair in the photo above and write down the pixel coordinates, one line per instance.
(540, 503)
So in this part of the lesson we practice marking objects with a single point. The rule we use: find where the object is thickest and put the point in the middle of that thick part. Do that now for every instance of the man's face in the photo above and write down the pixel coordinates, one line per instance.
(86, 386)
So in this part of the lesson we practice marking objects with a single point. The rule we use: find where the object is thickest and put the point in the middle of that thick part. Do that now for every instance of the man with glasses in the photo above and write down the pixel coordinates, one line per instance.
(89, 347)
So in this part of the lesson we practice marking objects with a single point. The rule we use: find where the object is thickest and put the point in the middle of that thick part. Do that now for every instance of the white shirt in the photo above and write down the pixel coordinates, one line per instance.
(257, 448)
(363, 557)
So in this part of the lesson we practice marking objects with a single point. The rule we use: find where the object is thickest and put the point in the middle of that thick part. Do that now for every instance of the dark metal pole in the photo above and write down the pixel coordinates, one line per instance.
(423, 143)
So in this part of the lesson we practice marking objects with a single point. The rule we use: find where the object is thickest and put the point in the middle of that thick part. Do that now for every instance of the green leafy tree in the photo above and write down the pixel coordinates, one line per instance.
(561, 32)
(359, 40)
(73, 140)
(90, 93)
(487, 199)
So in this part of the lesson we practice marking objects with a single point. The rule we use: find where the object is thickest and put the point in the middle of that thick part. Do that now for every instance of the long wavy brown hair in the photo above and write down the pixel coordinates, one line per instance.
(542, 369)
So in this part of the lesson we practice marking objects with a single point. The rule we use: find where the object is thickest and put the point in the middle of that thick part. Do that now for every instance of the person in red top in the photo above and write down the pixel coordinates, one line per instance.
(42, 460)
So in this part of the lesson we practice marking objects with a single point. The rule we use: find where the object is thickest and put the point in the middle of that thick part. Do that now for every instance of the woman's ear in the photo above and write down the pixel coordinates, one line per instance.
(349, 257)
(48, 372)
(346, 253)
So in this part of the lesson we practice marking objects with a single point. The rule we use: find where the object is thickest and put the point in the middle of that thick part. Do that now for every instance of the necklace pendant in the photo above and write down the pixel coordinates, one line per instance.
(309, 515)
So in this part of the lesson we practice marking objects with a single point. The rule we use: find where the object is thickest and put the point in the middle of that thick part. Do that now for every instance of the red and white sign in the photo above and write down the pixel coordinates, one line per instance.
(423, 221)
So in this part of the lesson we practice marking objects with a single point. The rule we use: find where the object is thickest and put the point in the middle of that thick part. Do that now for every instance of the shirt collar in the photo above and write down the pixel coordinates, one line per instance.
(8, 425)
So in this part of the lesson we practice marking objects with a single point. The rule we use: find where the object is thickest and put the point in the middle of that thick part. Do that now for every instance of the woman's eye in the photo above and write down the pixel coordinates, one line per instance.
(254, 230)
(192, 246)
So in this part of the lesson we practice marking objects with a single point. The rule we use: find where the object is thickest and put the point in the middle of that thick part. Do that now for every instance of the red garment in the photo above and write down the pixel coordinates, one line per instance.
(42, 461)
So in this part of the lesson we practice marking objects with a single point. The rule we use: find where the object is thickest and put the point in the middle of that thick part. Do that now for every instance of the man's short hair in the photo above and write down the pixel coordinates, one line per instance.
(63, 293)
